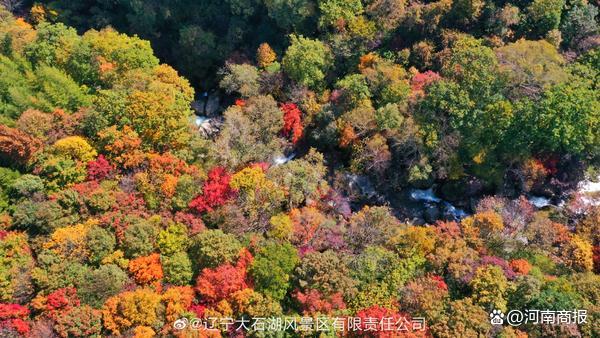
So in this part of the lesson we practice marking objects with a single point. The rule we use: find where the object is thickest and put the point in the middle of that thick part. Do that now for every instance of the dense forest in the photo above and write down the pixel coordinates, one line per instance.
(164, 163)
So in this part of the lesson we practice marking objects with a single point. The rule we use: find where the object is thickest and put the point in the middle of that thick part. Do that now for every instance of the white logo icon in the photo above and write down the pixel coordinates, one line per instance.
(180, 323)
(497, 317)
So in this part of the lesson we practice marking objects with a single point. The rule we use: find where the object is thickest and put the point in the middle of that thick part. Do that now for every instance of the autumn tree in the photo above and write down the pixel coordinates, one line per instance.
(177, 268)
(140, 237)
(469, 319)
(380, 274)
(172, 239)
(57, 302)
(64, 163)
(100, 284)
(426, 296)
(75, 147)
(251, 133)
(177, 300)
(372, 155)
(265, 55)
(121, 146)
(473, 66)
(303, 179)
(292, 122)
(388, 81)
(241, 79)
(522, 62)
(13, 319)
(281, 227)
(259, 196)
(414, 241)
(15, 268)
(389, 12)
(212, 248)
(370, 226)
(308, 225)
(99, 169)
(489, 287)
(584, 284)
(114, 53)
(222, 282)
(159, 116)
(307, 61)
(131, 308)
(453, 257)
(520, 266)
(355, 125)
(146, 269)
(81, 321)
(35, 123)
(69, 243)
(332, 12)
(485, 224)
(16, 147)
(252, 303)
(578, 254)
(272, 267)
(504, 21)
(325, 272)
(313, 301)
(544, 233)
(216, 191)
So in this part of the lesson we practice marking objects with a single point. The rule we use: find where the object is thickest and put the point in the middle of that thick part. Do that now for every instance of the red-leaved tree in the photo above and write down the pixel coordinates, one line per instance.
(62, 299)
(99, 169)
(313, 301)
(422, 80)
(292, 121)
(220, 283)
(215, 192)
(13, 318)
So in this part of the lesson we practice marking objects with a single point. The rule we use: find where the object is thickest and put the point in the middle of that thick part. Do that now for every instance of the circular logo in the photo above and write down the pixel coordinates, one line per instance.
(180, 323)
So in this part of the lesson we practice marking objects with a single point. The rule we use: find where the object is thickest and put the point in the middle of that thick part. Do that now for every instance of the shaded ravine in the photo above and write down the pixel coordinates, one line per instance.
(412, 205)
